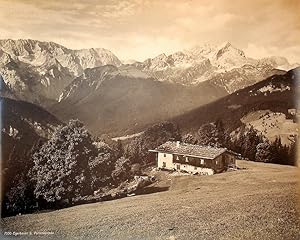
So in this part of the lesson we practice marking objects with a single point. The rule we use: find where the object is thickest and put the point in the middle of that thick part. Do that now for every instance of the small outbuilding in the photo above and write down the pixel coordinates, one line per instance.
(205, 160)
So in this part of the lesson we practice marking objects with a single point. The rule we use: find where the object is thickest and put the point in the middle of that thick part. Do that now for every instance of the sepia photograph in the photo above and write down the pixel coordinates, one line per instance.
(150, 119)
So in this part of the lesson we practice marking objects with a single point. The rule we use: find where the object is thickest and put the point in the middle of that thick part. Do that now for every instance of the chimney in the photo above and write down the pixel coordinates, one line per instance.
(177, 143)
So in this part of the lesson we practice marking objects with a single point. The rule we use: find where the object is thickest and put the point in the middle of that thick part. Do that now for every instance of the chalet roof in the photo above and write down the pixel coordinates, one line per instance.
(206, 152)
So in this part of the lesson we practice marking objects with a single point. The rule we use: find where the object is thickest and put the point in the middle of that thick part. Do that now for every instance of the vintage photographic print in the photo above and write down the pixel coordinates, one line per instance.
(150, 119)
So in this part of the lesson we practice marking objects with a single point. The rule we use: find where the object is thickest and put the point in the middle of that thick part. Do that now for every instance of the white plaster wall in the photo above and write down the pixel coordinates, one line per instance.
(193, 169)
(167, 158)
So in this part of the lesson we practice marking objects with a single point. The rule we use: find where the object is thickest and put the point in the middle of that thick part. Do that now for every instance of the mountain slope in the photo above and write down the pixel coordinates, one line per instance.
(275, 94)
(121, 100)
(5, 91)
(40, 85)
(247, 75)
(23, 126)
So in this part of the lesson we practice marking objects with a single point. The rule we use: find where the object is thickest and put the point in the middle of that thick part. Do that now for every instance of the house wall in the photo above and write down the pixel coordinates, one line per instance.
(194, 164)
(230, 159)
(193, 169)
(221, 163)
(165, 158)
(189, 164)
(194, 161)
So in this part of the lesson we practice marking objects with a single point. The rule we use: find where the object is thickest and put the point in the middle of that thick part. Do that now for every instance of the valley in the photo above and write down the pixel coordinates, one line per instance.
(108, 101)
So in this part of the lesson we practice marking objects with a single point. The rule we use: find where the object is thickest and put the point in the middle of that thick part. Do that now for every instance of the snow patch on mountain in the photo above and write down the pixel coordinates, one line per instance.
(122, 138)
(39, 53)
(279, 63)
(224, 65)
(270, 88)
(38, 71)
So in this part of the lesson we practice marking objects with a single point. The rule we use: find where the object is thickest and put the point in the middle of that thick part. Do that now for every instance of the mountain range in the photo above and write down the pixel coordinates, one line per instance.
(39, 71)
(223, 65)
(94, 86)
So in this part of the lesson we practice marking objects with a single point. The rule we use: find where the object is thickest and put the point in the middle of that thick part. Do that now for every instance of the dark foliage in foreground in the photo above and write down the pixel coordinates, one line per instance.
(61, 166)
(72, 165)
(25, 128)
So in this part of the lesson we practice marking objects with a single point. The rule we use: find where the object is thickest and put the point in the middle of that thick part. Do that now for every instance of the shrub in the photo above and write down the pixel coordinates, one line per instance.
(61, 165)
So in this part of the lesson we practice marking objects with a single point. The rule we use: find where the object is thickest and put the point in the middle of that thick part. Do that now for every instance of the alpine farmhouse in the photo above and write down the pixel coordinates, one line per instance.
(204, 160)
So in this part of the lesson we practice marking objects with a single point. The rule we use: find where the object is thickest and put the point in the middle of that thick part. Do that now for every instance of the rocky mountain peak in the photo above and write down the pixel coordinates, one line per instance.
(229, 49)
(37, 53)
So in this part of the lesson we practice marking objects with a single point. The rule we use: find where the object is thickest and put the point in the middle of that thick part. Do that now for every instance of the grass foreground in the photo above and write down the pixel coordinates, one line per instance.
(258, 202)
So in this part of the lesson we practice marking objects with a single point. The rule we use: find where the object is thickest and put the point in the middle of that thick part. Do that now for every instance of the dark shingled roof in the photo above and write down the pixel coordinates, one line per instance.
(207, 152)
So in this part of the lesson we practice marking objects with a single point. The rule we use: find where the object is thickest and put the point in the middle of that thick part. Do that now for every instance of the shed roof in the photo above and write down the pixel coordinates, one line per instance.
(186, 149)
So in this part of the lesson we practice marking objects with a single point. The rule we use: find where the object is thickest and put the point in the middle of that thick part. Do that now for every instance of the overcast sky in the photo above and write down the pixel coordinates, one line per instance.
(138, 29)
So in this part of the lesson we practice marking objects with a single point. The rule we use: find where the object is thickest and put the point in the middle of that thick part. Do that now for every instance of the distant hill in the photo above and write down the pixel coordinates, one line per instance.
(276, 94)
(122, 100)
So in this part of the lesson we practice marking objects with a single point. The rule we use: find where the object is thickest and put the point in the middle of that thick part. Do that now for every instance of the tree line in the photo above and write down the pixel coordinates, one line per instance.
(247, 141)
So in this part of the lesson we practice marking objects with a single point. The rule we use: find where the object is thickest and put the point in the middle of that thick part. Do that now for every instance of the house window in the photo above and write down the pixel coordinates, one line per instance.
(202, 161)
(165, 155)
(177, 158)
(186, 159)
(164, 164)
(178, 167)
